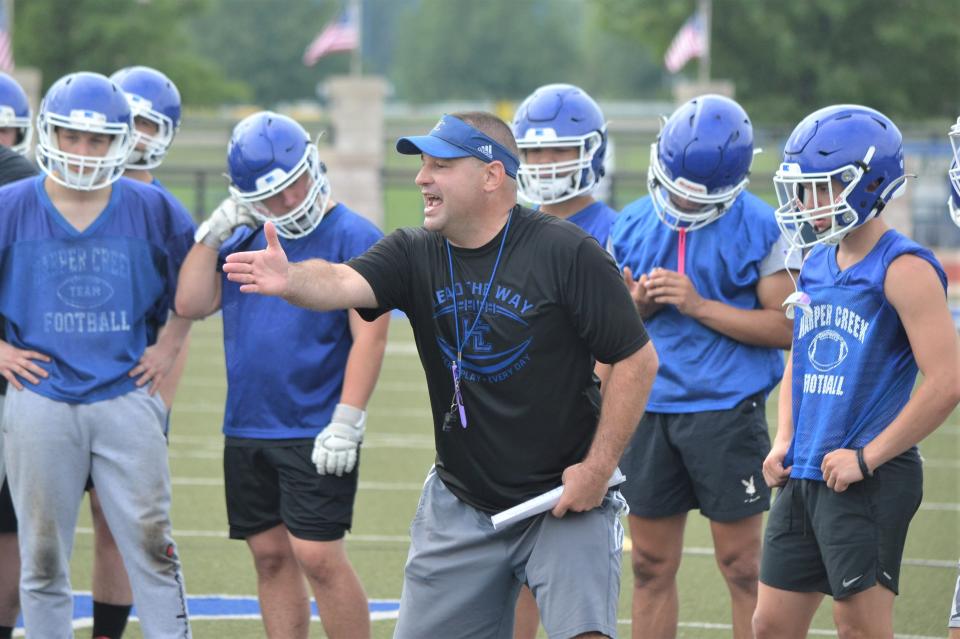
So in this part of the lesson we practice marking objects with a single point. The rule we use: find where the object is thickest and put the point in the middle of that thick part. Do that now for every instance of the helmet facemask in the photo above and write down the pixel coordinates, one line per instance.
(830, 199)
(82, 172)
(9, 119)
(305, 216)
(806, 198)
(953, 202)
(555, 182)
(155, 146)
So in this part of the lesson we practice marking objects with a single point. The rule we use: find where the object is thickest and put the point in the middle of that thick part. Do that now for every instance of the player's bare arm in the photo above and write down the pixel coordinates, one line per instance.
(766, 326)
(314, 284)
(774, 472)
(365, 359)
(16, 363)
(198, 287)
(912, 287)
(624, 399)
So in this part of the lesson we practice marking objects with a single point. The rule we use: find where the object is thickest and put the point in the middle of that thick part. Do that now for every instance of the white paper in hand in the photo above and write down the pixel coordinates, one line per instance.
(541, 503)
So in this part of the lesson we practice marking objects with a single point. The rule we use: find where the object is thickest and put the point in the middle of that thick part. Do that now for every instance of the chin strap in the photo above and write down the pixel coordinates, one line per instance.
(797, 299)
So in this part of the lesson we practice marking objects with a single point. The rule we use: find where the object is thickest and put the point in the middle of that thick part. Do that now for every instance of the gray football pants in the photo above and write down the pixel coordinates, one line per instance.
(51, 448)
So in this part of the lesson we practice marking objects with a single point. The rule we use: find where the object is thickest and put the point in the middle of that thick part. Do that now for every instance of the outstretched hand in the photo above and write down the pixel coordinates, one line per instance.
(265, 272)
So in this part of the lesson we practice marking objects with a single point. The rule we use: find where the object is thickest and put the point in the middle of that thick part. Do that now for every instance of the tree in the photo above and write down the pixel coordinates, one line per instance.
(463, 49)
(106, 35)
(264, 43)
(790, 58)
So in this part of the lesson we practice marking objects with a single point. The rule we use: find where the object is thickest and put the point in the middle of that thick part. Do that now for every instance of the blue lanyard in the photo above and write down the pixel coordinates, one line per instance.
(457, 367)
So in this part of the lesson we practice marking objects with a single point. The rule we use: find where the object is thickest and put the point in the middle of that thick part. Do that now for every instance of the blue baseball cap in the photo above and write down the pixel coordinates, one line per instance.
(454, 138)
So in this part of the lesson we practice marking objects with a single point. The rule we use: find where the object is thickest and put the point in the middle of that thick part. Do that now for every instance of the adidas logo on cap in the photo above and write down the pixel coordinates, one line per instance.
(486, 149)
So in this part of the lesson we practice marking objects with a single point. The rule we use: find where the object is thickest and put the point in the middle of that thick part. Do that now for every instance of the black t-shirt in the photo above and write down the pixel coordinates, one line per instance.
(532, 401)
(13, 167)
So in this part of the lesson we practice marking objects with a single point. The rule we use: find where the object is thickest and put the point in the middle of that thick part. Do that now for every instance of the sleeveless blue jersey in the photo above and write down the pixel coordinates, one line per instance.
(597, 220)
(87, 298)
(285, 364)
(853, 369)
(701, 369)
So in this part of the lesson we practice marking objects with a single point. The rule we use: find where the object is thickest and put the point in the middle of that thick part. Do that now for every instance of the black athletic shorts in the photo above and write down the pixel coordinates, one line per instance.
(8, 518)
(269, 482)
(712, 460)
(818, 540)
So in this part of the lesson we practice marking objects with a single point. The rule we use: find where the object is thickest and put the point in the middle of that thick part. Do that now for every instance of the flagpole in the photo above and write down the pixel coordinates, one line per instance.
(356, 58)
(705, 9)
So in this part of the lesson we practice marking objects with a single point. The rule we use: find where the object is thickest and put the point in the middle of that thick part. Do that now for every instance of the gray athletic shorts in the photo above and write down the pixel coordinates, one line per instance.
(462, 577)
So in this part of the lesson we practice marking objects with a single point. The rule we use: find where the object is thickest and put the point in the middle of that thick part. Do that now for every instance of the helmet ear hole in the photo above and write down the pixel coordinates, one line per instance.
(875, 185)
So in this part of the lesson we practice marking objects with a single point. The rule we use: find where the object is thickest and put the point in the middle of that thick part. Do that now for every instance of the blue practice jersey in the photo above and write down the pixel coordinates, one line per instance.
(154, 324)
(701, 369)
(853, 369)
(597, 220)
(86, 298)
(285, 364)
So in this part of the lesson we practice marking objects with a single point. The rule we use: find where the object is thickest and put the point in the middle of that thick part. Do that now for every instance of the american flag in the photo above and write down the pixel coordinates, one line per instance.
(6, 43)
(690, 42)
(343, 34)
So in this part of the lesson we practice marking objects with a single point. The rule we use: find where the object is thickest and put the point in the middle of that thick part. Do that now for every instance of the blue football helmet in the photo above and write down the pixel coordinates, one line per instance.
(560, 116)
(267, 153)
(92, 103)
(15, 113)
(841, 164)
(700, 162)
(953, 202)
(154, 97)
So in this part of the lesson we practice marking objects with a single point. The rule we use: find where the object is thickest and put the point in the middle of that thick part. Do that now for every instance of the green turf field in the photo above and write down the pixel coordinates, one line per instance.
(397, 454)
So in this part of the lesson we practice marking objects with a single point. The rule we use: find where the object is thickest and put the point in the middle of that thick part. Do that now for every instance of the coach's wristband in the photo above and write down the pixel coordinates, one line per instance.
(863, 464)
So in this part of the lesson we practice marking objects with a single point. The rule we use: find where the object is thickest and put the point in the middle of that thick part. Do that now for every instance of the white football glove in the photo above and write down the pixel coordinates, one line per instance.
(218, 228)
(335, 448)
